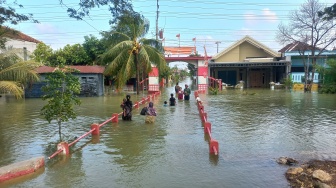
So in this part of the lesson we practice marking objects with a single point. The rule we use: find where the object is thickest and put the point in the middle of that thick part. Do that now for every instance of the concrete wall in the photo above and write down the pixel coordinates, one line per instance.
(91, 85)
(248, 50)
(241, 52)
(231, 56)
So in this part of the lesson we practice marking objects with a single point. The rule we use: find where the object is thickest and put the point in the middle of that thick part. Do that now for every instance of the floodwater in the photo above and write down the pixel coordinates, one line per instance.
(253, 128)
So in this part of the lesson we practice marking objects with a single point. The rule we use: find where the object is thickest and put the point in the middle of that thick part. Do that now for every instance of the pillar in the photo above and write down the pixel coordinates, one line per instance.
(96, 129)
(213, 147)
(202, 74)
(65, 148)
(207, 127)
(153, 80)
(115, 117)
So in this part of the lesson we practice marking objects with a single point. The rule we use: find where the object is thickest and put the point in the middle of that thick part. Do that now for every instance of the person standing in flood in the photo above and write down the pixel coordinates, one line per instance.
(151, 113)
(177, 88)
(180, 94)
(172, 100)
(127, 107)
(186, 93)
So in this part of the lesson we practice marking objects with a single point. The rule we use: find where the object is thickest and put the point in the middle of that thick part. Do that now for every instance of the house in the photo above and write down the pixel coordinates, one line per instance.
(22, 44)
(90, 77)
(248, 61)
(298, 53)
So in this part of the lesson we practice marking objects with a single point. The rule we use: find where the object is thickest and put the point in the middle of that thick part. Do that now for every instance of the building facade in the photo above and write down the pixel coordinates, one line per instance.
(250, 62)
(22, 44)
(91, 79)
(298, 54)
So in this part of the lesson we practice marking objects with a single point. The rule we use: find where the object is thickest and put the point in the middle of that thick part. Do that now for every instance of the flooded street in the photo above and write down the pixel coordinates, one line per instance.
(253, 128)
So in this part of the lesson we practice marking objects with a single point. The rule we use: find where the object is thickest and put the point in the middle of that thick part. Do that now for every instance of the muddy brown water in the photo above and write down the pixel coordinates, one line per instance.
(253, 128)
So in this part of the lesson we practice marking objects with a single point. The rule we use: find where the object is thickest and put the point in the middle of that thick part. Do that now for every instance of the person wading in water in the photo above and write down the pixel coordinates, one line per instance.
(127, 108)
(186, 92)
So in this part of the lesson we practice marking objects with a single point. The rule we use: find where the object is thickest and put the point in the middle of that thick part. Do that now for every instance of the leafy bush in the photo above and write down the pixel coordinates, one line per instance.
(213, 90)
(328, 88)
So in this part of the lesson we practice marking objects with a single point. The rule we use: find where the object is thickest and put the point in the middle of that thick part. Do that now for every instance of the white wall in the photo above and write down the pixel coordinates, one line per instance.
(18, 46)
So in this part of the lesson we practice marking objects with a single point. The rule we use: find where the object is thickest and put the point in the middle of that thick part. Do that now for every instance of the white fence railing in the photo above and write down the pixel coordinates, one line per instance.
(298, 76)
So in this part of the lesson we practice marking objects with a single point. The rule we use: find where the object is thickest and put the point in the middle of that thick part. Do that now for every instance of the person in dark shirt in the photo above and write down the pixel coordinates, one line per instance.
(177, 88)
(172, 100)
(127, 108)
(186, 93)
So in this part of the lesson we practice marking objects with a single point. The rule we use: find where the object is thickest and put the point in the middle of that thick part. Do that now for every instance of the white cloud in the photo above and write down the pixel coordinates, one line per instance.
(46, 28)
(266, 15)
(269, 15)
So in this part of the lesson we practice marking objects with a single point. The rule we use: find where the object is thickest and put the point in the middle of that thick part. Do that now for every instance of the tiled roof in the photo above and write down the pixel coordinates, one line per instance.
(45, 69)
(89, 69)
(14, 34)
(82, 69)
(297, 46)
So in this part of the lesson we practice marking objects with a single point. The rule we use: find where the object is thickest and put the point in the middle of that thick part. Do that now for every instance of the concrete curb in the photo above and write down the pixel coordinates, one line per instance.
(21, 168)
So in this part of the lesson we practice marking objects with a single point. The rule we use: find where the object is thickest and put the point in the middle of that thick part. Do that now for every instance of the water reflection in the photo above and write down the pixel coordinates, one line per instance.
(253, 128)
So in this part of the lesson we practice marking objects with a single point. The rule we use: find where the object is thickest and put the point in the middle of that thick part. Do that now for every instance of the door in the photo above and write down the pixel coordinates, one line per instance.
(228, 77)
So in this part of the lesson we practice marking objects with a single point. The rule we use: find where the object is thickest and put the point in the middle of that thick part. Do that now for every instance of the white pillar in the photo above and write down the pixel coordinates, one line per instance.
(202, 75)
(153, 80)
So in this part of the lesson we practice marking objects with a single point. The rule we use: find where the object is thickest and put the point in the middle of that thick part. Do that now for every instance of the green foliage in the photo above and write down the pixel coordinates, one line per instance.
(61, 93)
(69, 55)
(93, 48)
(192, 69)
(175, 75)
(15, 73)
(328, 13)
(42, 53)
(329, 76)
(328, 88)
(165, 72)
(213, 90)
(8, 13)
(129, 54)
(116, 7)
(288, 82)
(74, 55)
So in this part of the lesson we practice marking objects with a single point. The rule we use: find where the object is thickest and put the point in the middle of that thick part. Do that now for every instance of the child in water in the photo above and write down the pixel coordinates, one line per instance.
(172, 100)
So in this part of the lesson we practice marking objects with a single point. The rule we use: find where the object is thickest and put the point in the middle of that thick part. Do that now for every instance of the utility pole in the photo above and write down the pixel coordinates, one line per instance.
(217, 42)
(157, 19)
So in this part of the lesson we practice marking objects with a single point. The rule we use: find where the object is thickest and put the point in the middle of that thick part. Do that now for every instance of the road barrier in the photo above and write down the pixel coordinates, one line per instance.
(63, 147)
(213, 144)
(21, 168)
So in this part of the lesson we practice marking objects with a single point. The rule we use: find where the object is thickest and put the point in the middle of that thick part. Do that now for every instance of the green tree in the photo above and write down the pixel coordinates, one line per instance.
(192, 69)
(93, 48)
(69, 55)
(329, 76)
(130, 53)
(307, 27)
(75, 55)
(175, 74)
(8, 13)
(116, 7)
(328, 13)
(61, 93)
(16, 73)
(42, 53)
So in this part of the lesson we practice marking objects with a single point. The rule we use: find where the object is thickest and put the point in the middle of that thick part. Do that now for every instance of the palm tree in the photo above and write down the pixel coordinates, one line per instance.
(15, 73)
(130, 53)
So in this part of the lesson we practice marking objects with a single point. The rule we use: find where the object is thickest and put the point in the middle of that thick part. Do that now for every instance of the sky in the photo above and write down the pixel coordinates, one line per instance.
(216, 24)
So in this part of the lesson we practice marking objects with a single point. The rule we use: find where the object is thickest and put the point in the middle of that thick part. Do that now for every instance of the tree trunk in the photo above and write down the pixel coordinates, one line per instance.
(59, 130)
(137, 73)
